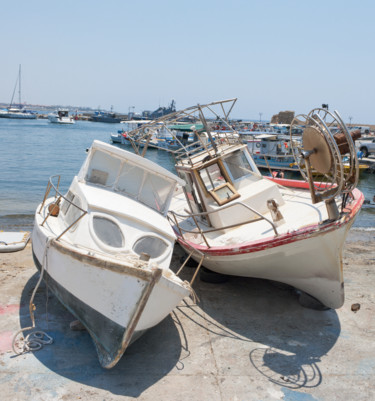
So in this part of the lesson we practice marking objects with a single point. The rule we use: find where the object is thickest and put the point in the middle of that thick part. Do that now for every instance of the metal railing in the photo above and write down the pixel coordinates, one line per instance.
(58, 197)
(174, 221)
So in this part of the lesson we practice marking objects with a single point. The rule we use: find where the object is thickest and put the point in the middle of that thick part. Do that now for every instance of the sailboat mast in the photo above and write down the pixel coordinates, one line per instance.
(19, 87)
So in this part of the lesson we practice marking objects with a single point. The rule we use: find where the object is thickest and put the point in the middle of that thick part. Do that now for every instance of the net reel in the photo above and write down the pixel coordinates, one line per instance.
(326, 157)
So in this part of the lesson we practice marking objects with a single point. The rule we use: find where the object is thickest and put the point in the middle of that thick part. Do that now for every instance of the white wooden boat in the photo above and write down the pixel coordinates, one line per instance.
(61, 116)
(236, 222)
(13, 241)
(105, 249)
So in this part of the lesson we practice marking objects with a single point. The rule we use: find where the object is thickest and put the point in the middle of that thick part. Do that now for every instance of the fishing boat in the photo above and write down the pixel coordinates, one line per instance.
(234, 221)
(129, 125)
(100, 116)
(105, 247)
(61, 116)
(272, 151)
(17, 111)
(159, 136)
(117, 138)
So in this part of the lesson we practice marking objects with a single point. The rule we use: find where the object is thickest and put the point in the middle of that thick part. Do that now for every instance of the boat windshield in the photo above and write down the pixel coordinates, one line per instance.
(238, 165)
(135, 181)
(145, 186)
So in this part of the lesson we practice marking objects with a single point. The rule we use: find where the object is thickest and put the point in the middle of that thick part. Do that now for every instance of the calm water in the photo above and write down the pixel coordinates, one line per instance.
(33, 150)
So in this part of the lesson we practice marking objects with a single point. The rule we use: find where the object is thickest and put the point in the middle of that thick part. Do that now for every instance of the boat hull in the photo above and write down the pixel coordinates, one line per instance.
(312, 264)
(19, 116)
(275, 163)
(13, 241)
(309, 259)
(60, 120)
(115, 301)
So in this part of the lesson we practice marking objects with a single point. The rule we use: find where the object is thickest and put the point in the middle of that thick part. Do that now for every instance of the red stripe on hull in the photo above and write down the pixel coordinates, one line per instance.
(272, 242)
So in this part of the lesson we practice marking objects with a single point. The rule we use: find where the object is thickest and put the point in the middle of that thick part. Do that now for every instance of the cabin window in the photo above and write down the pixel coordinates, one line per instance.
(108, 232)
(217, 185)
(66, 204)
(144, 186)
(212, 176)
(224, 193)
(151, 245)
(238, 165)
(155, 192)
(103, 169)
(130, 179)
(72, 213)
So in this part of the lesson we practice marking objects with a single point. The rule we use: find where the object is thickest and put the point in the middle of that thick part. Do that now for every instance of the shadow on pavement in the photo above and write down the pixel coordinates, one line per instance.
(73, 355)
(288, 339)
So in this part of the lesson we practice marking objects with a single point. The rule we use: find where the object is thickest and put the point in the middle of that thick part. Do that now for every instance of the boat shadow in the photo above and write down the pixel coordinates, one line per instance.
(285, 340)
(72, 354)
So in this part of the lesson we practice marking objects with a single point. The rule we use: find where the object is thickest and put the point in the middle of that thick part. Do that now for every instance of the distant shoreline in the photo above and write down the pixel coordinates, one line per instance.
(89, 110)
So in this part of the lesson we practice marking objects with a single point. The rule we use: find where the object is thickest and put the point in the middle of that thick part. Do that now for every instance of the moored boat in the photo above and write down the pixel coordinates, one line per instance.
(272, 151)
(106, 117)
(61, 116)
(17, 111)
(105, 247)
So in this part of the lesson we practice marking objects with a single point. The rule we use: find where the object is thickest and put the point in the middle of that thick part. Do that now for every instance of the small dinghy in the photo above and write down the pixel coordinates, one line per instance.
(234, 221)
(105, 247)
(13, 241)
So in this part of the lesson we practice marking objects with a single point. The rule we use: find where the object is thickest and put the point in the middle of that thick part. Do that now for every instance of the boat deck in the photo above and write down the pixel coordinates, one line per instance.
(298, 212)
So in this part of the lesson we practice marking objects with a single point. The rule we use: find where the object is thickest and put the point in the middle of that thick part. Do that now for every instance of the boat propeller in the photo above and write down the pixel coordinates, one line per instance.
(326, 156)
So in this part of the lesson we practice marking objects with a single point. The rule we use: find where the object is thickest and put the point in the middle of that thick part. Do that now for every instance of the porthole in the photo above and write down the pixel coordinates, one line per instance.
(108, 232)
(151, 245)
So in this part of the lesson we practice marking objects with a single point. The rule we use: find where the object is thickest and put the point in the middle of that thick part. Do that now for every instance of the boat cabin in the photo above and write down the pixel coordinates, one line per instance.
(270, 145)
(118, 203)
(63, 113)
(126, 174)
(227, 189)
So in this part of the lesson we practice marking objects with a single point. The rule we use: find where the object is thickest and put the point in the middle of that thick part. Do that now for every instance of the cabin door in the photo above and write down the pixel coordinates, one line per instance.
(192, 195)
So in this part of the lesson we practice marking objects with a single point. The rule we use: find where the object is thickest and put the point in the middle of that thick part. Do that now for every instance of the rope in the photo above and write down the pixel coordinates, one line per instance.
(33, 341)
(193, 295)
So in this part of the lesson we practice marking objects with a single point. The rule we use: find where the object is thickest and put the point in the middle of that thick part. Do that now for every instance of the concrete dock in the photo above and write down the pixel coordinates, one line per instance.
(247, 339)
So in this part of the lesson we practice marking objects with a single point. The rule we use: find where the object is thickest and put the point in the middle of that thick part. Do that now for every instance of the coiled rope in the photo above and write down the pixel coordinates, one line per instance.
(33, 341)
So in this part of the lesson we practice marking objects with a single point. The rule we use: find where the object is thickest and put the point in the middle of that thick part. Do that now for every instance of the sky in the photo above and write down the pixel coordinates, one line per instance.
(138, 55)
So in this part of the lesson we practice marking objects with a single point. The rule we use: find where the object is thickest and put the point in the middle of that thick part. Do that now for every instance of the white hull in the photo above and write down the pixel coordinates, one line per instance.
(312, 264)
(20, 116)
(13, 241)
(307, 256)
(106, 255)
(116, 138)
(61, 120)
(118, 301)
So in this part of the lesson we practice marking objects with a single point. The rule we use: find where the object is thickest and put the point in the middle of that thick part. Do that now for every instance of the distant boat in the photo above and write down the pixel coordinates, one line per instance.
(61, 116)
(272, 151)
(162, 111)
(17, 111)
(105, 117)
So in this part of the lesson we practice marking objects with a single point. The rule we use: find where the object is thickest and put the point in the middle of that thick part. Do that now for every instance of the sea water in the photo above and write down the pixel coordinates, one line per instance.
(33, 150)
